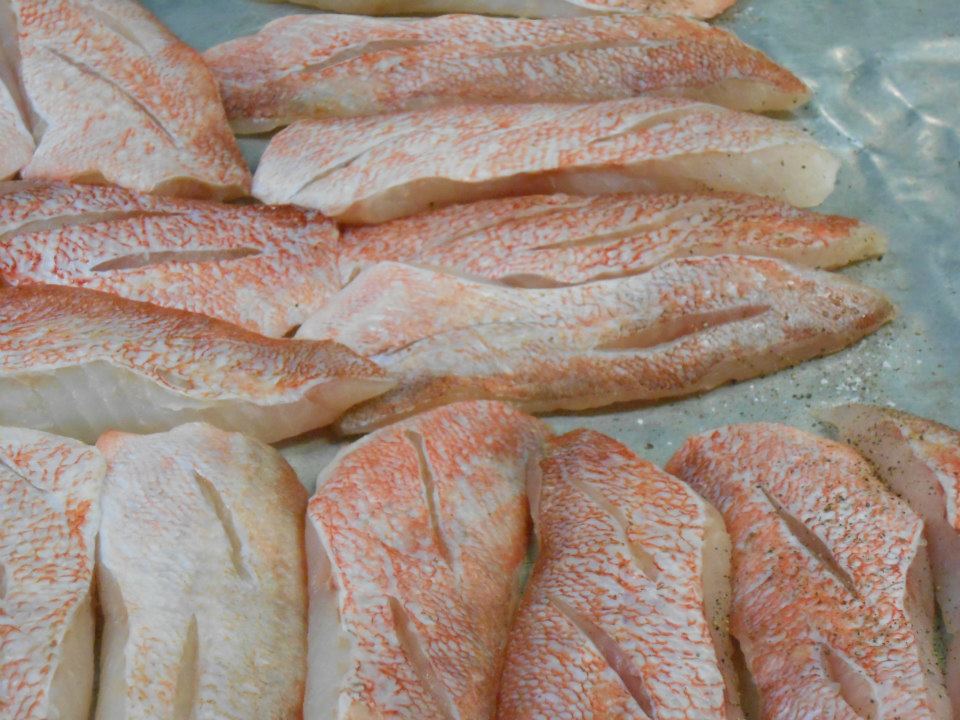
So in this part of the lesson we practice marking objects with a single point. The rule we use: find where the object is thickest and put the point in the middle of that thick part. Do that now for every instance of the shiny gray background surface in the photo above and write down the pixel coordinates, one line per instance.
(886, 82)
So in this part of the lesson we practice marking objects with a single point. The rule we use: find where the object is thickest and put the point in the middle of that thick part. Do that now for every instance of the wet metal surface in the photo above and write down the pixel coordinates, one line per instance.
(886, 82)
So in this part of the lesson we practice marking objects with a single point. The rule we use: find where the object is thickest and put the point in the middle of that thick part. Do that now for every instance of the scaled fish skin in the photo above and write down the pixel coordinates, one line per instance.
(547, 240)
(202, 572)
(80, 362)
(832, 599)
(920, 460)
(263, 268)
(416, 539)
(49, 515)
(373, 169)
(523, 8)
(116, 98)
(685, 326)
(312, 66)
(625, 614)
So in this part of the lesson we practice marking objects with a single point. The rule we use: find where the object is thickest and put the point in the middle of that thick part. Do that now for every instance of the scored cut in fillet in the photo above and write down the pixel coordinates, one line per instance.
(920, 460)
(49, 515)
(832, 596)
(685, 326)
(311, 66)
(80, 362)
(523, 8)
(373, 169)
(416, 540)
(202, 576)
(263, 268)
(625, 614)
(547, 240)
(115, 98)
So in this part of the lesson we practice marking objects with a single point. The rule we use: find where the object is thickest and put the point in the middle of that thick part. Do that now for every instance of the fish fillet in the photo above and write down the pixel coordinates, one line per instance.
(686, 326)
(625, 614)
(416, 540)
(832, 599)
(80, 362)
(523, 8)
(544, 240)
(312, 66)
(49, 514)
(920, 460)
(116, 98)
(202, 575)
(263, 268)
(373, 169)
(16, 143)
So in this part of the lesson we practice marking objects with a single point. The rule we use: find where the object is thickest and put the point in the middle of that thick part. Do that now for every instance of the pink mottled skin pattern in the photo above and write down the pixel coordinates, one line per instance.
(687, 325)
(118, 99)
(849, 592)
(49, 514)
(562, 239)
(373, 169)
(310, 66)
(428, 520)
(602, 512)
(285, 267)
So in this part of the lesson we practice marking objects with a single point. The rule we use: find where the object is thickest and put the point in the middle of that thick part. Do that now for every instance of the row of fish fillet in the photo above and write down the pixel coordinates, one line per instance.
(391, 117)
(767, 573)
(137, 313)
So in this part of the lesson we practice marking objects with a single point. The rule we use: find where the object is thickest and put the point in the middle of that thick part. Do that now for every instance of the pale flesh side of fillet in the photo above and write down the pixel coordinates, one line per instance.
(373, 169)
(115, 98)
(920, 460)
(832, 596)
(263, 268)
(202, 578)
(49, 515)
(523, 8)
(416, 540)
(16, 143)
(312, 66)
(80, 362)
(685, 326)
(625, 614)
(547, 240)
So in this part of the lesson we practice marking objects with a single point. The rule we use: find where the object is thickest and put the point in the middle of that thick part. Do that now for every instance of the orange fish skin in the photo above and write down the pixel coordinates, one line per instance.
(416, 539)
(685, 326)
(545, 240)
(614, 621)
(117, 99)
(81, 361)
(311, 66)
(832, 599)
(920, 460)
(202, 574)
(49, 515)
(523, 8)
(374, 169)
(263, 268)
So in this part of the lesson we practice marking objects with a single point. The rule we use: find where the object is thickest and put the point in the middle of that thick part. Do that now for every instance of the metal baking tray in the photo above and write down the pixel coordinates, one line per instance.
(886, 82)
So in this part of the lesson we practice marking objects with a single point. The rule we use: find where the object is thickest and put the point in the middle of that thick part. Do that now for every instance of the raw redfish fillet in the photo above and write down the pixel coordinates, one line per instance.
(416, 540)
(524, 8)
(264, 268)
(80, 362)
(115, 98)
(832, 597)
(202, 578)
(625, 614)
(683, 327)
(312, 66)
(49, 515)
(547, 240)
(920, 460)
(373, 169)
